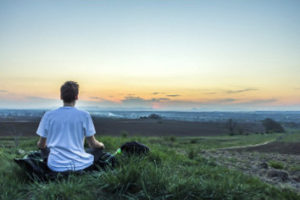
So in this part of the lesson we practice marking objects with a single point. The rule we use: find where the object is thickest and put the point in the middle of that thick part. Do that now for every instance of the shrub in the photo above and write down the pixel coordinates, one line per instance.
(124, 134)
(272, 126)
(193, 141)
(276, 164)
(172, 138)
(192, 154)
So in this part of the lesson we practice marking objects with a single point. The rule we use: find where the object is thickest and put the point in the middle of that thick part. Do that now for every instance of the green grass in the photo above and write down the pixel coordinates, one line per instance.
(276, 164)
(294, 168)
(166, 173)
(291, 137)
(208, 143)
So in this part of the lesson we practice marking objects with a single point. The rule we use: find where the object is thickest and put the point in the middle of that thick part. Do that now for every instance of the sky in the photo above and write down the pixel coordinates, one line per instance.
(152, 55)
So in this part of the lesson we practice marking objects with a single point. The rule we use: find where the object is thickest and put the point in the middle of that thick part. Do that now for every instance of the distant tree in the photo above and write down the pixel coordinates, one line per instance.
(241, 131)
(272, 126)
(231, 126)
(154, 116)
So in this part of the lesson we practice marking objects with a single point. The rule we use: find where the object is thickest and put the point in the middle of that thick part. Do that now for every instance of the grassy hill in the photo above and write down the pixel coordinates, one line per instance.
(175, 169)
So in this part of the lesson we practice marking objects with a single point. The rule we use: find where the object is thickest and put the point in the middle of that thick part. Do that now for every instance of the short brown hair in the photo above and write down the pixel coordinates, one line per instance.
(69, 91)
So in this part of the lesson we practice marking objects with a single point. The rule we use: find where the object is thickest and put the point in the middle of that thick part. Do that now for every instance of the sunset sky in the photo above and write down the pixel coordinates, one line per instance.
(157, 54)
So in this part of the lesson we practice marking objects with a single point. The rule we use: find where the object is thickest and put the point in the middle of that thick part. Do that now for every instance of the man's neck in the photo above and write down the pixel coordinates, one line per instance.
(72, 104)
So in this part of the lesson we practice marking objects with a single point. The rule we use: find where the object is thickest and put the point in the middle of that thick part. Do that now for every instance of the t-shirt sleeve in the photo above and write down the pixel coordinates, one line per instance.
(89, 126)
(43, 127)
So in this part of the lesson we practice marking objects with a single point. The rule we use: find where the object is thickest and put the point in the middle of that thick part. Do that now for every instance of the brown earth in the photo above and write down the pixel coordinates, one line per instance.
(132, 127)
(257, 161)
(259, 164)
(149, 127)
(275, 147)
(24, 128)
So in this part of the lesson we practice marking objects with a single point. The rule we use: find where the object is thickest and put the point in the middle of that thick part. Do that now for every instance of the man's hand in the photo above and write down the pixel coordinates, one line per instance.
(93, 143)
(99, 145)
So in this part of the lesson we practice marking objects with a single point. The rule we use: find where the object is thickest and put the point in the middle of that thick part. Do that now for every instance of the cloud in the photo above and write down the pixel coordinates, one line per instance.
(129, 99)
(173, 95)
(17, 101)
(136, 102)
(163, 102)
(97, 101)
(156, 93)
(201, 103)
(95, 98)
(240, 91)
(225, 104)
(159, 99)
(136, 99)
(3, 91)
(36, 98)
(221, 101)
(168, 95)
(259, 101)
(98, 98)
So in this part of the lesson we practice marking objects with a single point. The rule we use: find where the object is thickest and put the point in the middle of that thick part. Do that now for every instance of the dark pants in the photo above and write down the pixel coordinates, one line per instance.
(98, 154)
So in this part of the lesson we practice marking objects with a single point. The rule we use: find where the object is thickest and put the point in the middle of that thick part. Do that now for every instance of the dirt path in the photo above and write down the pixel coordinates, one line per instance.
(246, 146)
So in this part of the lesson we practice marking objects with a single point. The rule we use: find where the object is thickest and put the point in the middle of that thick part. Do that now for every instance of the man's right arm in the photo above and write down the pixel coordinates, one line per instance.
(42, 143)
(94, 143)
(42, 131)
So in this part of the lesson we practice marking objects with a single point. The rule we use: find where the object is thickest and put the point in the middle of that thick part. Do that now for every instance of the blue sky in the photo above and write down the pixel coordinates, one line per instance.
(122, 51)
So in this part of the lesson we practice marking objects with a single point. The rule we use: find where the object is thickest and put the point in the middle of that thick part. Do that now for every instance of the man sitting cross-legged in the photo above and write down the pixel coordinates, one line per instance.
(63, 132)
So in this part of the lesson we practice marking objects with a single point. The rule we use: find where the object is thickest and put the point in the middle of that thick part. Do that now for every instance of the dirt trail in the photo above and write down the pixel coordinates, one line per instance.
(246, 146)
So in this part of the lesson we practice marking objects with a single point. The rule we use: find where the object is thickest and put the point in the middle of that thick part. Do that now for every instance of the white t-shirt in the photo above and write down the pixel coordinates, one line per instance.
(65, 129)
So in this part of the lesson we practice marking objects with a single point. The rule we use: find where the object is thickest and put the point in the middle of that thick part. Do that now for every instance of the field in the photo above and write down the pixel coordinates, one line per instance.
(133, 127)
(176, 168)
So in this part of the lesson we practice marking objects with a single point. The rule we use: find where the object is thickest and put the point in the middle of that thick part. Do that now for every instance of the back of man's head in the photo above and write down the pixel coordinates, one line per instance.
(69, 91)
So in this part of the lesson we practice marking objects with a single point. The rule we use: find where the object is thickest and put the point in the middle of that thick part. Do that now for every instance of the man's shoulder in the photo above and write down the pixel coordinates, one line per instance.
(82, 112)
(62, 110)
(49, 112)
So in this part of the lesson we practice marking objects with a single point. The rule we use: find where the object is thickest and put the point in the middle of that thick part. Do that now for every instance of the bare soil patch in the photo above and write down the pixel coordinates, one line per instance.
(276, 147)
(260, 165)
(277, 163)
